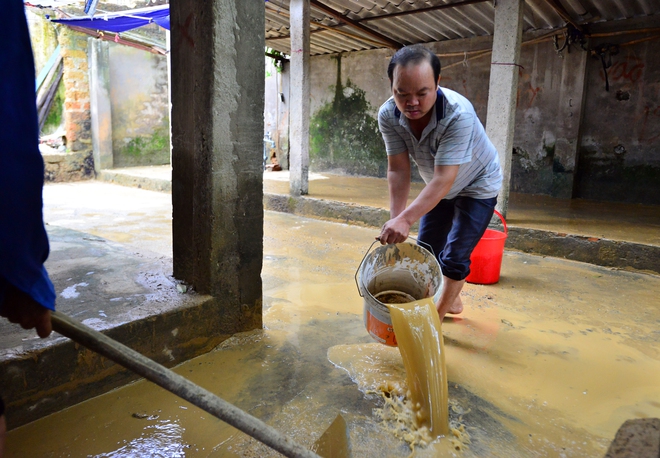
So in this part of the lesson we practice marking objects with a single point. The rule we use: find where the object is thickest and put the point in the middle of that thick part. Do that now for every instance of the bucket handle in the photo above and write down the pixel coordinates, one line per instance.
(499, 215)
(424, 244)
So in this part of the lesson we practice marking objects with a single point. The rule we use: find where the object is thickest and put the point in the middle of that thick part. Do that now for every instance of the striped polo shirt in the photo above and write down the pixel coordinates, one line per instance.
(454, 136)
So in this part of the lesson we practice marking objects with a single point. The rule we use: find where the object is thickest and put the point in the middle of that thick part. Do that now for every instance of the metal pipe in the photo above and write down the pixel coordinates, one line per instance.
(178, 385)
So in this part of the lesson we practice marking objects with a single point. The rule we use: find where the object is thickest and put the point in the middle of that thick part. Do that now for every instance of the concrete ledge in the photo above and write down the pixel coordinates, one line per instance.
(39, 383)
(142, 182)
(327, 209)
(72, 166)
(603, 252)
(132, 298)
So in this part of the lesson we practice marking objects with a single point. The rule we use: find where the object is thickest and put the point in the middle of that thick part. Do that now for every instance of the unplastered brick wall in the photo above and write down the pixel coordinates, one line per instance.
(77, 116)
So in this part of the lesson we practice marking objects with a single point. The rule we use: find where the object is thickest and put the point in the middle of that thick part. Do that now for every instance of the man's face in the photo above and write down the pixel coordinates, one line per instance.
(414, 89)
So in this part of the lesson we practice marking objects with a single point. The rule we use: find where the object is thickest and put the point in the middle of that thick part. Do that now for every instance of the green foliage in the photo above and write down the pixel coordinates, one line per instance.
(54, 119)
(343, 135)
(277, 63)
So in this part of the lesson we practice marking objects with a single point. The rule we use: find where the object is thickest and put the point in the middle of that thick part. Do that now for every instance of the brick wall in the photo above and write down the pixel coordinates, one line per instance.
(77, 162)
(77, 116)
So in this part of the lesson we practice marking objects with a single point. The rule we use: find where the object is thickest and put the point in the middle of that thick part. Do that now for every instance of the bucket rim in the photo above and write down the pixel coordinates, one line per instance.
(369, 252)
(492, 234)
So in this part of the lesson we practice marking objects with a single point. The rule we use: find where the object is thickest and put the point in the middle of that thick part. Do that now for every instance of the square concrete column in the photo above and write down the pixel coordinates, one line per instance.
(217, 173)
(571, 108)
(299, 94)
(503, 87)
(99, 103)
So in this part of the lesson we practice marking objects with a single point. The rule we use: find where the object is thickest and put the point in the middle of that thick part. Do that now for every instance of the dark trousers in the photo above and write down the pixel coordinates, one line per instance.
(453, 228)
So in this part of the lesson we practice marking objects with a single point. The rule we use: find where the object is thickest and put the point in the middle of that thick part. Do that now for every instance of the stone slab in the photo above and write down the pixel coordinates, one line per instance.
(639, 438)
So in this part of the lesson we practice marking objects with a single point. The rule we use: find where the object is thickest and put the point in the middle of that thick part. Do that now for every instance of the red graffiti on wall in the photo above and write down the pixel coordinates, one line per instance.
(649, 112)
(529, 91)
(526, 89)
(534, 91)
(184, 30)
(629, 69)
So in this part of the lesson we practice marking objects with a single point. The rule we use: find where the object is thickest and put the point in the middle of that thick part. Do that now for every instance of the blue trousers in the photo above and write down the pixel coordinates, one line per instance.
(453, 228)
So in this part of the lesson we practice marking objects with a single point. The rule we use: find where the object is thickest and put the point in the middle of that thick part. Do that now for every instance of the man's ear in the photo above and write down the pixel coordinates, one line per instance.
(439, 78)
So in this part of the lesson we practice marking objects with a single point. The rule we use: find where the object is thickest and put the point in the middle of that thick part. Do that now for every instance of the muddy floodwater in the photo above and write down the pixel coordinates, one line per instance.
(548, 362)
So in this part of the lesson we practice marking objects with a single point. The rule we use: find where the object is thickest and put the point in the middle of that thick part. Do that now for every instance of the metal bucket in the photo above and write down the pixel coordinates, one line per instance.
(402, 272)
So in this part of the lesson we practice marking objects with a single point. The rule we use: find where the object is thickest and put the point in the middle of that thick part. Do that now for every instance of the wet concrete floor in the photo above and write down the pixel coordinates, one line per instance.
(550, 361)
(610, 220)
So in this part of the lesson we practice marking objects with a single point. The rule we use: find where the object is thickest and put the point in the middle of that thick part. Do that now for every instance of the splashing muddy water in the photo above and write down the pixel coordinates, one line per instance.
(418, 330)
(550, 362)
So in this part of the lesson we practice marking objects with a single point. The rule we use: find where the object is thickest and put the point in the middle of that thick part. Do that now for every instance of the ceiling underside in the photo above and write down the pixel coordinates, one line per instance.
(354, 25)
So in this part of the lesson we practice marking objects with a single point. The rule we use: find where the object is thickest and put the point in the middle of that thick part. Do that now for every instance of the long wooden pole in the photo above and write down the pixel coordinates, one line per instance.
(178, 385)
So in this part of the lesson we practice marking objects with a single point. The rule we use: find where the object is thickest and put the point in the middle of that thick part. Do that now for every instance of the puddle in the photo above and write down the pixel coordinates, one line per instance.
(548, 362)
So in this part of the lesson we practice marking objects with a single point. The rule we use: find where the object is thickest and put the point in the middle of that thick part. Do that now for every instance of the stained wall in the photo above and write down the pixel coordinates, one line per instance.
(573, 138)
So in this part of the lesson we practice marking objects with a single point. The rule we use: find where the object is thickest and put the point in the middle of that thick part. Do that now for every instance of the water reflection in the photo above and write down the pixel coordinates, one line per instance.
(161, 439)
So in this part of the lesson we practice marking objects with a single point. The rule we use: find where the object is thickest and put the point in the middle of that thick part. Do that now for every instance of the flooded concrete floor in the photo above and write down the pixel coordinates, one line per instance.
(609, 220)
(138, 219)
(548, 362)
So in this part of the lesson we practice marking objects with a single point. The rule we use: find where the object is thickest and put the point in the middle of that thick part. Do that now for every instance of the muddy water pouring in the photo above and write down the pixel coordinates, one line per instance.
(400, 284)
(396, 273)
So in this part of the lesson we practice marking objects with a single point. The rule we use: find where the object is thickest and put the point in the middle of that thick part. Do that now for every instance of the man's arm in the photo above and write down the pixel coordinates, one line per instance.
(397, 229)
(398, 180)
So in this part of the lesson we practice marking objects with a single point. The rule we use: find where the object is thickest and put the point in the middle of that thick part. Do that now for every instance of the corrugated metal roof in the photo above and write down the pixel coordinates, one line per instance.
(371, 24)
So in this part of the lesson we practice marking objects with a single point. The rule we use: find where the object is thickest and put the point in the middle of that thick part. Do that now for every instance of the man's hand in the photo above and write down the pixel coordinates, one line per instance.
(22, 309)
(395, 230)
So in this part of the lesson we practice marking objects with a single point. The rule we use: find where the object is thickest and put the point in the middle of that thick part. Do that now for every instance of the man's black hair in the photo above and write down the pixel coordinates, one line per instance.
(413, 54)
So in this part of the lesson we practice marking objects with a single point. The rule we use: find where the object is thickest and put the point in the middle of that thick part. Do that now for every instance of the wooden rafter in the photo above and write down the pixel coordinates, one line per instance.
(364, 29)
(423, 10)
(322, 28)
(561, 11)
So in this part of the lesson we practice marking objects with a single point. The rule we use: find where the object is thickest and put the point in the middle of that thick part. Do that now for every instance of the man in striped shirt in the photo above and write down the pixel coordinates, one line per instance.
(439, 129)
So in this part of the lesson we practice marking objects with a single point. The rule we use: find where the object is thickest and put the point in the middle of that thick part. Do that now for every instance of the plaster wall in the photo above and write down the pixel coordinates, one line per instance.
(619, 157)
(43, 37)
(140, 107)
(572, 138)
(274, 104)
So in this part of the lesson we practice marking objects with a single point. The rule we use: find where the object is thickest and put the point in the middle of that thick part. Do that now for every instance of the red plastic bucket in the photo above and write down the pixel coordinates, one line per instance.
(486, 259)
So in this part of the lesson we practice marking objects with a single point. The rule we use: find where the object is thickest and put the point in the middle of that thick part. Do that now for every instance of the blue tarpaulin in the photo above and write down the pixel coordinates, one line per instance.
(122, 21)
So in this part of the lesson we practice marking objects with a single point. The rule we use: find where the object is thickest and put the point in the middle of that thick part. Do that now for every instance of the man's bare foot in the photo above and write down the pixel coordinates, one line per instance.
(456, 307)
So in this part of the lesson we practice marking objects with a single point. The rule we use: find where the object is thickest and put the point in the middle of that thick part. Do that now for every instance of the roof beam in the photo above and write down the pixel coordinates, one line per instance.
(322, 28)
(424, 10)
(561, 11)
(342, 18)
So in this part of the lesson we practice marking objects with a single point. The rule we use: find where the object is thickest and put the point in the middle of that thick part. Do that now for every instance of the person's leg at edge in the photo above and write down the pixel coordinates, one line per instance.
(470, 220)
(433, 230)
(3, 429)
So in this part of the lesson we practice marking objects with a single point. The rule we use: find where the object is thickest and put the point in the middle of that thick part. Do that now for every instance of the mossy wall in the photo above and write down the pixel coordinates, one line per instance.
(572, 138)
(344, 135)
(43, 37)
(140, 107)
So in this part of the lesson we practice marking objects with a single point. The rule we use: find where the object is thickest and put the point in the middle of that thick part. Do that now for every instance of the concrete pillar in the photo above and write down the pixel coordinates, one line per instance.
(283, 128)
(99, 102)
(571, 98)
(168, 46)
(217, 173)
(300, 98)
(503, 87)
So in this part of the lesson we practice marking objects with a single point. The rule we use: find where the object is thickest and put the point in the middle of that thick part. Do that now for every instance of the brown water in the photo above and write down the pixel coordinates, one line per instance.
(419, 336)
(548, 362)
